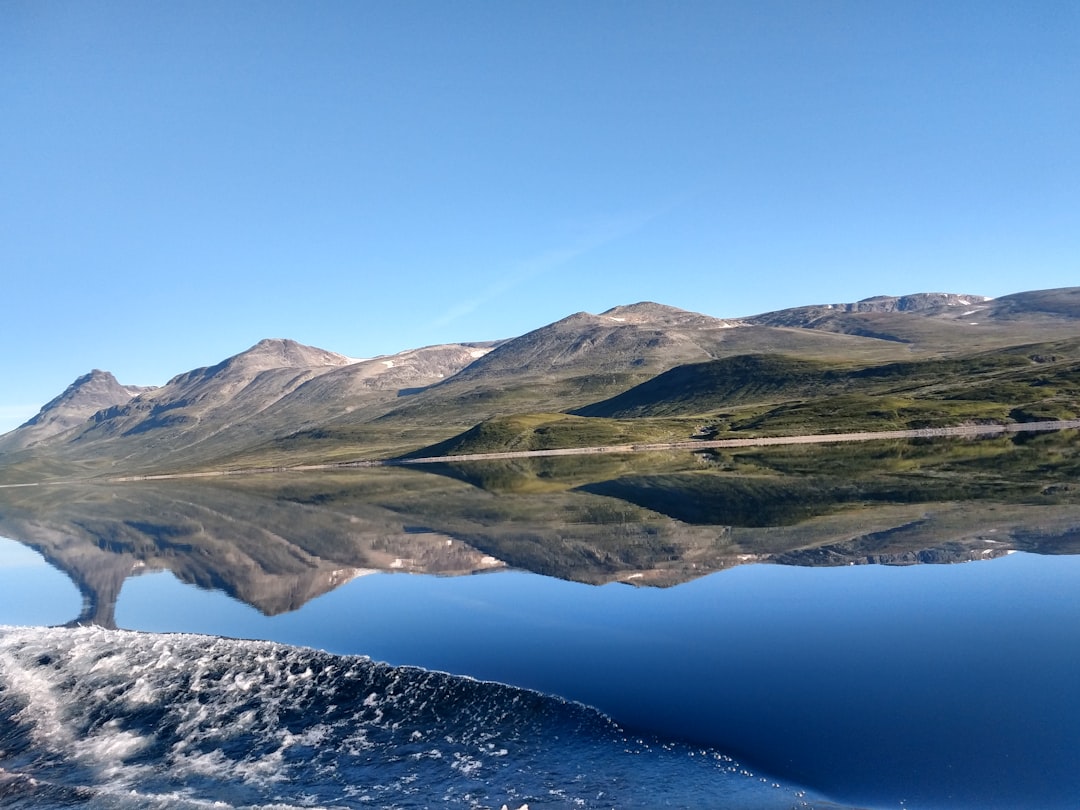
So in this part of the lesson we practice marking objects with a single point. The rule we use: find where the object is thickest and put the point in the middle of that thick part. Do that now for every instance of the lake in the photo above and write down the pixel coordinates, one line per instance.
(750, 630)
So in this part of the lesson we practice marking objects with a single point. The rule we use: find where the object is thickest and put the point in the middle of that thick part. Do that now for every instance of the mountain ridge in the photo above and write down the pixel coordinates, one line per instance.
(88, 394)
(280, 398)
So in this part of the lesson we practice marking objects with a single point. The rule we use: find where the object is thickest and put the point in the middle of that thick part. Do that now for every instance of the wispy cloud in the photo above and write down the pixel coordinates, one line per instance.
(598, 235)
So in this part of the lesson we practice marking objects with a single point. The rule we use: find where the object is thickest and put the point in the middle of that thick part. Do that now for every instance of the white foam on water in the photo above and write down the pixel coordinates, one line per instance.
(144, 720)
(109, 747)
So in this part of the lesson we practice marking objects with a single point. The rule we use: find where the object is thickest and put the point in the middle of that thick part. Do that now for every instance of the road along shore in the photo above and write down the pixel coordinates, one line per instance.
(956, 431)
(763, 441)
(760, 441)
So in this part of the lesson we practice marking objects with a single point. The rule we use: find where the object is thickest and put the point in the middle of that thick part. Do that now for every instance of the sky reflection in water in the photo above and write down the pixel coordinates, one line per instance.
(931, 683)
(865, 681)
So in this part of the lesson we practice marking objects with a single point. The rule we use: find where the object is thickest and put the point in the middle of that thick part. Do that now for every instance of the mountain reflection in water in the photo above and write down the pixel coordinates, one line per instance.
(277, 541)
(867, 686)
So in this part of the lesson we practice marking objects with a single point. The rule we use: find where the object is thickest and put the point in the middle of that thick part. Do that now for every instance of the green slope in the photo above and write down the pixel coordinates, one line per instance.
(548, 431)
(812, 369)
(765, 394)
(701, 388)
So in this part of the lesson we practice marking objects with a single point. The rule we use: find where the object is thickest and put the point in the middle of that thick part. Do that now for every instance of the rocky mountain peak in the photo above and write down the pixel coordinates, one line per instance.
(85, 396)
(912, 303)
(266, 355)
(88, 394)
(284, 353)
(648, 312)
(96, 374)
(279, 387)
(820, 316)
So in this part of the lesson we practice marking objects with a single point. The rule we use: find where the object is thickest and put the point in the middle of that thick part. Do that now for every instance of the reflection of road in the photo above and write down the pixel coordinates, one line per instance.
(761, 441)
(814, 438)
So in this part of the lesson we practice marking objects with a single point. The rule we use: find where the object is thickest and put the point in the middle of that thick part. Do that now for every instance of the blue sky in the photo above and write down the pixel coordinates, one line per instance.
(180, 180)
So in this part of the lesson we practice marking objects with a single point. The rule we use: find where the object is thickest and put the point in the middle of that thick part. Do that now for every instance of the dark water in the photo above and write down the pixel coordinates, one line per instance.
(924, 686)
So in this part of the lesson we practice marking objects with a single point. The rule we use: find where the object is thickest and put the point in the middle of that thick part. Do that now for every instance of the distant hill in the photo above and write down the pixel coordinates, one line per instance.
(249, 381)
(82, 399)
(886, 361)
(953, 378)
(1061, 303)
(934, 303)
(936, 319)
(639, 335)
(209, 411)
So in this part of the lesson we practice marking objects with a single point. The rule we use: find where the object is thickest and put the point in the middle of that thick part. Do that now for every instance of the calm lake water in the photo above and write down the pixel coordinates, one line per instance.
(749, 685)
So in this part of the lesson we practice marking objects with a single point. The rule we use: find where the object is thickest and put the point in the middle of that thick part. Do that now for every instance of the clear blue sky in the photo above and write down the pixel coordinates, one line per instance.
(179, 180)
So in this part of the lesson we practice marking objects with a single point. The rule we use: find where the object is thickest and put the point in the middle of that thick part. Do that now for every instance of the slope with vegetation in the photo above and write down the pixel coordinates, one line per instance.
(782, 395)
(635, 374)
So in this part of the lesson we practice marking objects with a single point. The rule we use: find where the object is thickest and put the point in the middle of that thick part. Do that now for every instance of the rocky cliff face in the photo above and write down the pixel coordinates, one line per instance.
(912, 303)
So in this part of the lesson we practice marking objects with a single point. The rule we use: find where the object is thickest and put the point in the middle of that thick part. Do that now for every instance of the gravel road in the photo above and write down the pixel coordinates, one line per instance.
(813, 438)
(762, 441)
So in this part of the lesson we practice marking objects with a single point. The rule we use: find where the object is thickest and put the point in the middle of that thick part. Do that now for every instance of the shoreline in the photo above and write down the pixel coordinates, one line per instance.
(956, 431)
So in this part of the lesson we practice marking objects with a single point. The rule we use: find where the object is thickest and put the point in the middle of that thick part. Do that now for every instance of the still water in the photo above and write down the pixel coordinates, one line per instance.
(921, 686)
(753, 631)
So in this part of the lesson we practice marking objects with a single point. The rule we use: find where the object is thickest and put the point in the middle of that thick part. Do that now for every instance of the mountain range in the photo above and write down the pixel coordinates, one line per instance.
(643, 371)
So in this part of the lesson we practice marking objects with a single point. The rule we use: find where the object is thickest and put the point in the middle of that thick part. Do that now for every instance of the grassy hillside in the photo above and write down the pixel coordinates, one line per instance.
(1013, 375)
(638, 374)
(548, 431)
(703, 387)
(765, 394)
